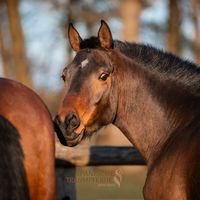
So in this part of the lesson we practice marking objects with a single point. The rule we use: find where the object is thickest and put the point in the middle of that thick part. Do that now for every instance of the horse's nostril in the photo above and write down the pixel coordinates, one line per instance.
(72, 121)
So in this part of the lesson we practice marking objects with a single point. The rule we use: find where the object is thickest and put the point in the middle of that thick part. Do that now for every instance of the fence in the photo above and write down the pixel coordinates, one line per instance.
(69, 158)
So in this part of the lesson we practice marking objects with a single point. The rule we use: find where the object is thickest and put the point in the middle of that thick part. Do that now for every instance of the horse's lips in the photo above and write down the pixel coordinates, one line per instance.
(74, 141)
(64, 137)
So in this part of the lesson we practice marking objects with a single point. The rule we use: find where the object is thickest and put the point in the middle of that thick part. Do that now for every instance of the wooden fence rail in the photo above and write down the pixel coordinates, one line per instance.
(68, 158)
(99, 155)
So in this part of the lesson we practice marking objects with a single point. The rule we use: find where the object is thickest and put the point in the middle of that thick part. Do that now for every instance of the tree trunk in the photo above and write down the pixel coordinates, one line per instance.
(18, 46)
(4, 56)
(130, 13)
(173, 37)
(195, 18)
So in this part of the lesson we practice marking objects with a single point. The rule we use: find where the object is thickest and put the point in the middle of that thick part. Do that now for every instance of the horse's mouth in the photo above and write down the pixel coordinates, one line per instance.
(75, 140)
(68, 139)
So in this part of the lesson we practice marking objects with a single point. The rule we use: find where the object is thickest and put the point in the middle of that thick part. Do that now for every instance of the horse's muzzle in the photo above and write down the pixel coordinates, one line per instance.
(65, 131)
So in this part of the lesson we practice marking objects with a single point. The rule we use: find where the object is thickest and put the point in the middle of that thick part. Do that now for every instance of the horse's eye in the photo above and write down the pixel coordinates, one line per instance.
(63, 77)
(103, 76)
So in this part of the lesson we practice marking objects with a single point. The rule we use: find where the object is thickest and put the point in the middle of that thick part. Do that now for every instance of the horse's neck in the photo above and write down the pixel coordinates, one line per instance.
(142, 121)
(140, 116)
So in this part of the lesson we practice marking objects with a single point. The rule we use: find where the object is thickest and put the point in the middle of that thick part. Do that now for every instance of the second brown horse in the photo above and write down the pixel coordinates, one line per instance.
(27, 168)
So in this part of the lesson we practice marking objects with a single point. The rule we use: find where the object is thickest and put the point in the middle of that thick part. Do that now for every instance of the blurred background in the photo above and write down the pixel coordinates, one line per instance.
(34, 50)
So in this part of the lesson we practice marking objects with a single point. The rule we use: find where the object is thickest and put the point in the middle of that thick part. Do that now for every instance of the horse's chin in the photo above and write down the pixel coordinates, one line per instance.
(85, 133)
(69, 139)
(71, 142)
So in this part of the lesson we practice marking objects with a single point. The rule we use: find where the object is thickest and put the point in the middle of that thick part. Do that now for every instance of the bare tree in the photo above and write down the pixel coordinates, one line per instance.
(18, 46)
(174, 21)
(130, 13)
(4, 55)
(195, 18)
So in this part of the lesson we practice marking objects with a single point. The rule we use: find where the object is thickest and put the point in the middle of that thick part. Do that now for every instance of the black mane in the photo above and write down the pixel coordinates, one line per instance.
(12, 171)
(91, 43)
(182, 71)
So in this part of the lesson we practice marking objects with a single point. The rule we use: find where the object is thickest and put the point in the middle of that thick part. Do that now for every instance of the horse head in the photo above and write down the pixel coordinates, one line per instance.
(90, 100)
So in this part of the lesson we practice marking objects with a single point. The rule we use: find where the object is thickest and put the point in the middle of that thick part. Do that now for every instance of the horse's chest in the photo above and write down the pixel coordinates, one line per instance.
(166, 186)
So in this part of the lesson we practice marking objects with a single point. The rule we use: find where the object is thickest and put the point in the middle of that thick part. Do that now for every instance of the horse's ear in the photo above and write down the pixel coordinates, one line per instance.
(105, 36)
(74, 38)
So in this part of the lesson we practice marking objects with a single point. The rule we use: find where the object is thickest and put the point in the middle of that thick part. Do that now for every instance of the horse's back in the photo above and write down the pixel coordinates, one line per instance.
(26, 111)
(17, 98)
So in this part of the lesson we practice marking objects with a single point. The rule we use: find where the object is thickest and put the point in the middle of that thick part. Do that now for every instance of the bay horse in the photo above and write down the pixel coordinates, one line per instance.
(27, 169)
(152, 96)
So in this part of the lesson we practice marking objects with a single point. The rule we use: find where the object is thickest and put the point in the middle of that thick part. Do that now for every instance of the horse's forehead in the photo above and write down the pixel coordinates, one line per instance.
(84, 63)
(84, 58)
(81, 56)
